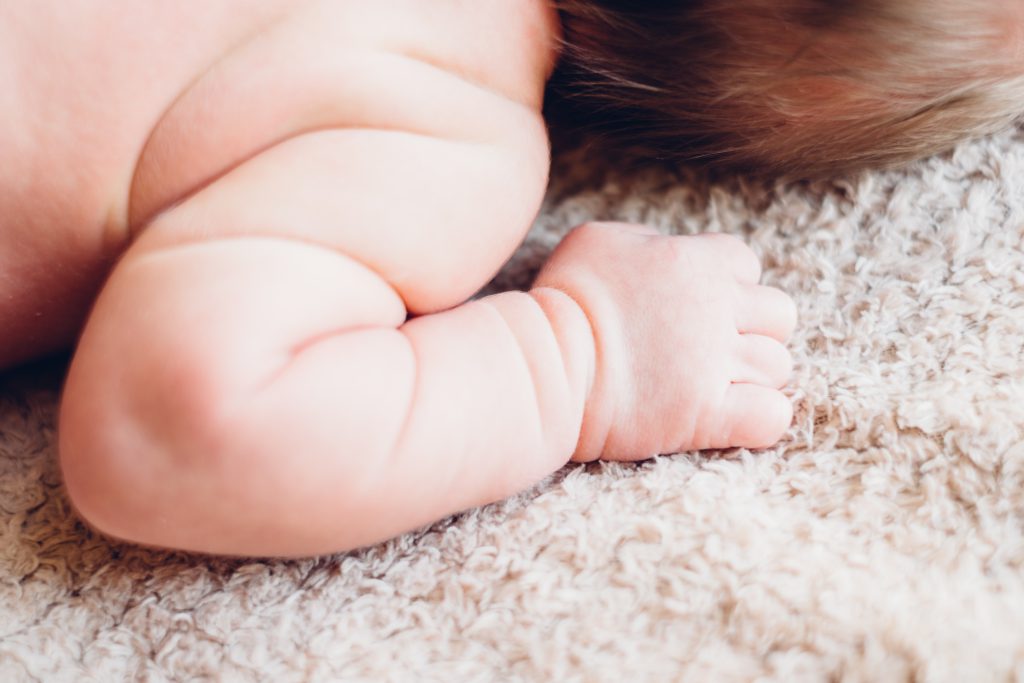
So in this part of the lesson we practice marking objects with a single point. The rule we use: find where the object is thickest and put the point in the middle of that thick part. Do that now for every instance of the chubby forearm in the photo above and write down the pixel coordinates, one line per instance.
(294, 430)
(501, 387)
(397, 427)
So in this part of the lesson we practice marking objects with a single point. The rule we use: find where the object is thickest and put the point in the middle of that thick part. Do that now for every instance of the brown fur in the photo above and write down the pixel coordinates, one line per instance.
(792, 87)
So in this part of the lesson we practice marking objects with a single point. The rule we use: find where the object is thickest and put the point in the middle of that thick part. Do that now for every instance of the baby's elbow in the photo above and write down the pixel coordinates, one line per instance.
(145, 440)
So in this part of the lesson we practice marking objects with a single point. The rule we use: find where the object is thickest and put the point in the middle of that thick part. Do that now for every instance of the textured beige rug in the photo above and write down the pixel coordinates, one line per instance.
(882, 541)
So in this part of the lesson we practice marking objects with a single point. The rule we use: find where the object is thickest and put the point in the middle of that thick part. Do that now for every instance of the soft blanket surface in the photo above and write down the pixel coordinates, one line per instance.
(883, 540)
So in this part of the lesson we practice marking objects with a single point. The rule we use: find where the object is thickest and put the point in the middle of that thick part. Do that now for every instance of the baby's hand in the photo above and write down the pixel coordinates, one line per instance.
(689, 348)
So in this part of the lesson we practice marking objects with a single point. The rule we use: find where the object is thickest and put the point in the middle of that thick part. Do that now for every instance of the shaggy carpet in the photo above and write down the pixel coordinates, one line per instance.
(883, 540)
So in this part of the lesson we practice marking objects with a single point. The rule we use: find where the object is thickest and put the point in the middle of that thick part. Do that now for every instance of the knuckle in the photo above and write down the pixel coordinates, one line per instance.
(736, 251)
(585, 232)
(680, 248)
(726, 241)
(673, 255)
(587, 227)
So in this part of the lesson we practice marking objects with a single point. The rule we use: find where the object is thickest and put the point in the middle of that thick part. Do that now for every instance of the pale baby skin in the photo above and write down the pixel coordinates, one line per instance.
(264, 219)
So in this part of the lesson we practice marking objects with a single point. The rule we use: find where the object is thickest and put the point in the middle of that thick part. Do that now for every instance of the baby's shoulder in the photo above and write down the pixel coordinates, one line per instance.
(446, 69)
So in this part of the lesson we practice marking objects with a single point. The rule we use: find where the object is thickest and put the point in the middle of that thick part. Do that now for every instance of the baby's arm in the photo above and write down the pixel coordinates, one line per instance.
(278, 404)
(207, 411)
(248, 382)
